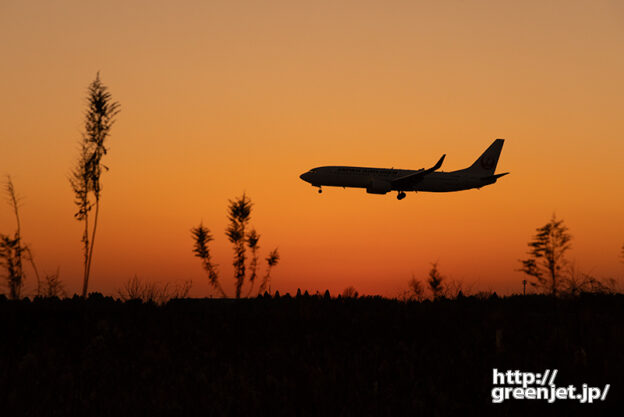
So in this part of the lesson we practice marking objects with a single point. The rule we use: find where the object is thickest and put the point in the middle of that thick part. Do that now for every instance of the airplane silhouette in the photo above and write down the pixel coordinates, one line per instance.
(384, 180)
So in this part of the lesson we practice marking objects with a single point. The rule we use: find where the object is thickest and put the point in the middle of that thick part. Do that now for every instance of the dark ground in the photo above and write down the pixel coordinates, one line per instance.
(304, 356)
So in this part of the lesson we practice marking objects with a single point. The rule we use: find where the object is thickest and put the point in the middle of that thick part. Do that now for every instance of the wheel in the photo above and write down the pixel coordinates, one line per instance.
(320, 191)
(401, 195)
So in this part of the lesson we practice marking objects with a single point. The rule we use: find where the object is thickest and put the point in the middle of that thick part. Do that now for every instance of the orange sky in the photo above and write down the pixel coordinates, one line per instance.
(222, 97)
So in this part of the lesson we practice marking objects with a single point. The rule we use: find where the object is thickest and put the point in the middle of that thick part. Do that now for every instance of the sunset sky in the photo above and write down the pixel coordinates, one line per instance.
(224, 97)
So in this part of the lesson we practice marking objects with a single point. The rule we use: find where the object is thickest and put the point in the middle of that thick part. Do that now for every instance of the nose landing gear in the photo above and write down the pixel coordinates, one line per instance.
(401, 195)
(320, 191)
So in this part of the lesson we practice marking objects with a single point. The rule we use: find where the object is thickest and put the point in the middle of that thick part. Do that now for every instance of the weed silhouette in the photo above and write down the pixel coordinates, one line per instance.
(85, 178)
(239, 216)
(202, 236)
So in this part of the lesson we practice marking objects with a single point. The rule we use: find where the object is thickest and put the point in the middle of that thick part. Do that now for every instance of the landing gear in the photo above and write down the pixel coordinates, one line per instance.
(320, 191)
(401, 195)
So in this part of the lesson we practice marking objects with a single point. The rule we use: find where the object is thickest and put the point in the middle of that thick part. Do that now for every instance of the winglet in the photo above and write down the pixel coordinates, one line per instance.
(438, 164)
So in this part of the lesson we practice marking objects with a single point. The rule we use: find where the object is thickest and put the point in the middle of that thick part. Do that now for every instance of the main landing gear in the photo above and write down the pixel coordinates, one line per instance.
(401, 195)
(320, 191)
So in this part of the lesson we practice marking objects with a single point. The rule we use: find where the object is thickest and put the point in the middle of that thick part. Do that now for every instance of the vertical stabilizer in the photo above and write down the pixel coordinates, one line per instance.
(485, 165)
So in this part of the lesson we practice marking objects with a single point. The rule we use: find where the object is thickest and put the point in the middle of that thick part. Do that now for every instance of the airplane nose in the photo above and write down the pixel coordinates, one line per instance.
(305, 176)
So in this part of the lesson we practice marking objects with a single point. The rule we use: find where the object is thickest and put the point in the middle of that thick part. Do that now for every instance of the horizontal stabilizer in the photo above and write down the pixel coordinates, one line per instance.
(494, 177)
(412, 179)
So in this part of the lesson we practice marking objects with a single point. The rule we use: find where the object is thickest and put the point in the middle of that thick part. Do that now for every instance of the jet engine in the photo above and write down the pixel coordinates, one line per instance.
(378, 187)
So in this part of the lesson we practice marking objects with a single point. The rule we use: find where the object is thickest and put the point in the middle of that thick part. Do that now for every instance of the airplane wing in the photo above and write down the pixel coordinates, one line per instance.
(415, 178)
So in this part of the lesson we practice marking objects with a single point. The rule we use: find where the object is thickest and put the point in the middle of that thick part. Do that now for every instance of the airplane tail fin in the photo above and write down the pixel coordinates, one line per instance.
(485, 165)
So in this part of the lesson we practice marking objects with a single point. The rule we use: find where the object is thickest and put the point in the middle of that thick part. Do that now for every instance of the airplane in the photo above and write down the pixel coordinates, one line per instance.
(384, 180)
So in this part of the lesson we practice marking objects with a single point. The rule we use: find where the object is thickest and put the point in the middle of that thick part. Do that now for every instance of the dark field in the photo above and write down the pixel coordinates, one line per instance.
(303, 356)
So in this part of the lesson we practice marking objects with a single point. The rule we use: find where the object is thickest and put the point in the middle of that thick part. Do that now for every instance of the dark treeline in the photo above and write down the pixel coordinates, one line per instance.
(304, 355)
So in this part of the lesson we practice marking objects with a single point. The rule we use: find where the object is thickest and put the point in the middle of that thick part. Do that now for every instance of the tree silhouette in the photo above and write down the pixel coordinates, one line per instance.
(85, 178)
(202, 237)
(546, 259)
(435, 281)
(239, 215)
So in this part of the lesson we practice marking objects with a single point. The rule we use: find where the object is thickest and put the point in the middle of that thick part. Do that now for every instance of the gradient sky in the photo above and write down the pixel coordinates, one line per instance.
(224, 97)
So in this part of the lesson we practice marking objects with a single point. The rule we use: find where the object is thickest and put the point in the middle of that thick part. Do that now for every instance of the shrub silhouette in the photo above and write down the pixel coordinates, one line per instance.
(150, 292)
(85, 178)
(454, 289)
(435, 281)
(53, 286)
(416, 290)
(349, 292)
(576, 283)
